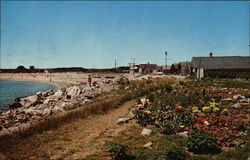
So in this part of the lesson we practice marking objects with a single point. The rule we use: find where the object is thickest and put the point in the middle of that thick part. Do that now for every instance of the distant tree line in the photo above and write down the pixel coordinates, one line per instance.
(22, 69)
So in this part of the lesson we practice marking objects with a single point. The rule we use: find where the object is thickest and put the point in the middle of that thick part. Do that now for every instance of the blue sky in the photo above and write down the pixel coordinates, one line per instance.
(94, 34)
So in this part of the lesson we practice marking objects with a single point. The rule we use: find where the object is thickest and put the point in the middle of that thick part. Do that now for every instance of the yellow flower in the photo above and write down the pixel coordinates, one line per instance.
(182, 126)
(157, 122)
(214, 103)
(224, 110)
(196, 111)
(216, 109)
(194, 108)
(206, 109)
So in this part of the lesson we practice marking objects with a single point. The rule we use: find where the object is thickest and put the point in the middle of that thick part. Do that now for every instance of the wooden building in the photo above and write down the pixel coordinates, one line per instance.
(184, 68)
(221, 66)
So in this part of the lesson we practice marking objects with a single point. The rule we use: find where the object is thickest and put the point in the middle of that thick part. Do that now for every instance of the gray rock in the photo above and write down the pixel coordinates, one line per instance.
(237, 105)
(122, 120)
(46, 112)
(183, 134)
(235, 97)
(243, 100)
(47, 101)
(15, 104)
(35, 117)
(148, 145)
(58, 93)
(39, 93)
(57, 109)
(144, 101)
(74, 91)
(146, 132)
(131, 115)
(32, 111)
(28, 101)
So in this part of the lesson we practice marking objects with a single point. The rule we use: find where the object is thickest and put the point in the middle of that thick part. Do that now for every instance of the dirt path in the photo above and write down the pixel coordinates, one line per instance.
(75, 140)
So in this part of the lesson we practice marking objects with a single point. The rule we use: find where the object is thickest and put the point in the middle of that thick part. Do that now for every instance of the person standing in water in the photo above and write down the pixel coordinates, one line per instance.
(89, 80)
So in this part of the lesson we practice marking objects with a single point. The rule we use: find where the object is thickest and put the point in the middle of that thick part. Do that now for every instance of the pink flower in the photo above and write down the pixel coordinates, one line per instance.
(236, 134)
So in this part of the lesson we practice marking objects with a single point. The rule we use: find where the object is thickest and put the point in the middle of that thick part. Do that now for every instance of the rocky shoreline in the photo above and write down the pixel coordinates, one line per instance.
(27, 110)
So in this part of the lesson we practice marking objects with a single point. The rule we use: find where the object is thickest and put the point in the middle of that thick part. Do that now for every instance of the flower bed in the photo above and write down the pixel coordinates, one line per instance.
(201, 107)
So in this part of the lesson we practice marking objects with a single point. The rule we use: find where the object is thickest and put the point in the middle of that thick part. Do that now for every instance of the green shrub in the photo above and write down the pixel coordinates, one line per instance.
(142, 153)
(149, 81)
(167, 128)
(142, 118)
(181, 83)
(166, 88)
(116, 150)
(174, 153)
(202, 142)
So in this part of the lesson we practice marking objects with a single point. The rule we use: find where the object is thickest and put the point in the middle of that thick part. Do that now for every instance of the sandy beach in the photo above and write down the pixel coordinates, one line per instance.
(60, 79)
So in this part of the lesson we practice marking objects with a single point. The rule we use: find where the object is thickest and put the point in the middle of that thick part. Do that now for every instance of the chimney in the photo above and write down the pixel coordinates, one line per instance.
(210, 54)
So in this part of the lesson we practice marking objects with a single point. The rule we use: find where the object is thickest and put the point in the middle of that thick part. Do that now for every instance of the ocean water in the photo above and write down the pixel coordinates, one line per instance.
(9, 90)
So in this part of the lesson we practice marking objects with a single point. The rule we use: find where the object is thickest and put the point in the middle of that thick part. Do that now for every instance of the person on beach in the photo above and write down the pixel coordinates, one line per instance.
(89, 80)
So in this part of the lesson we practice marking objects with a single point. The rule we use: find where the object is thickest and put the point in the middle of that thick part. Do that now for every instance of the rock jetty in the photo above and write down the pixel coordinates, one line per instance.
(26, 110)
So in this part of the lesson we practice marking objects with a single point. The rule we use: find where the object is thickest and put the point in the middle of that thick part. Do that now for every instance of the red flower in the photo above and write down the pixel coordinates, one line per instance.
(236, 134)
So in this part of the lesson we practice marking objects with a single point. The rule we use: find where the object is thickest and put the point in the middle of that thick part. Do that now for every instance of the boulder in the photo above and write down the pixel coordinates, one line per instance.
(39, 93)
(183, 134)
(237, 105)
(35, 117)
(131, 115)
(28, 101)
(146, 132)
(226, 101)
(144, 101)
(244, 100)
(1, 127)
(57, 109)
(32, 111)
(148, 145)
(48, 101)
(15, 104)
(122, 120)
(46, 112)
(74, 91)
(235, 97)
(58, 93)
(89, 96)
(68, 106)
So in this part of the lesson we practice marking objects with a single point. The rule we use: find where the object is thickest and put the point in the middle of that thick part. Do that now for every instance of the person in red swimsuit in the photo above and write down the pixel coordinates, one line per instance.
(89, 80)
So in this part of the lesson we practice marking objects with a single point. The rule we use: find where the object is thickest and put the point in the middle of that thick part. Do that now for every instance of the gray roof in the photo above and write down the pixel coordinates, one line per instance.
(229, 62)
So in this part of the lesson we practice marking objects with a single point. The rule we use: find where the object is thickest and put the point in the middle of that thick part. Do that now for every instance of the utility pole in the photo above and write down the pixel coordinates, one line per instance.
(166, 60)
(115, 63)
(133, 66)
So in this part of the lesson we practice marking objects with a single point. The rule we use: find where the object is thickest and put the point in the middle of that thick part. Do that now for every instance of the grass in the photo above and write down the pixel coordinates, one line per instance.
(100, 105)
(133, 139)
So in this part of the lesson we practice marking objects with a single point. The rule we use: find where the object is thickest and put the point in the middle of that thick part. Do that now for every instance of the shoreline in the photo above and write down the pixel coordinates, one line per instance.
(6, 106)
(56, 84)
(70, 93)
